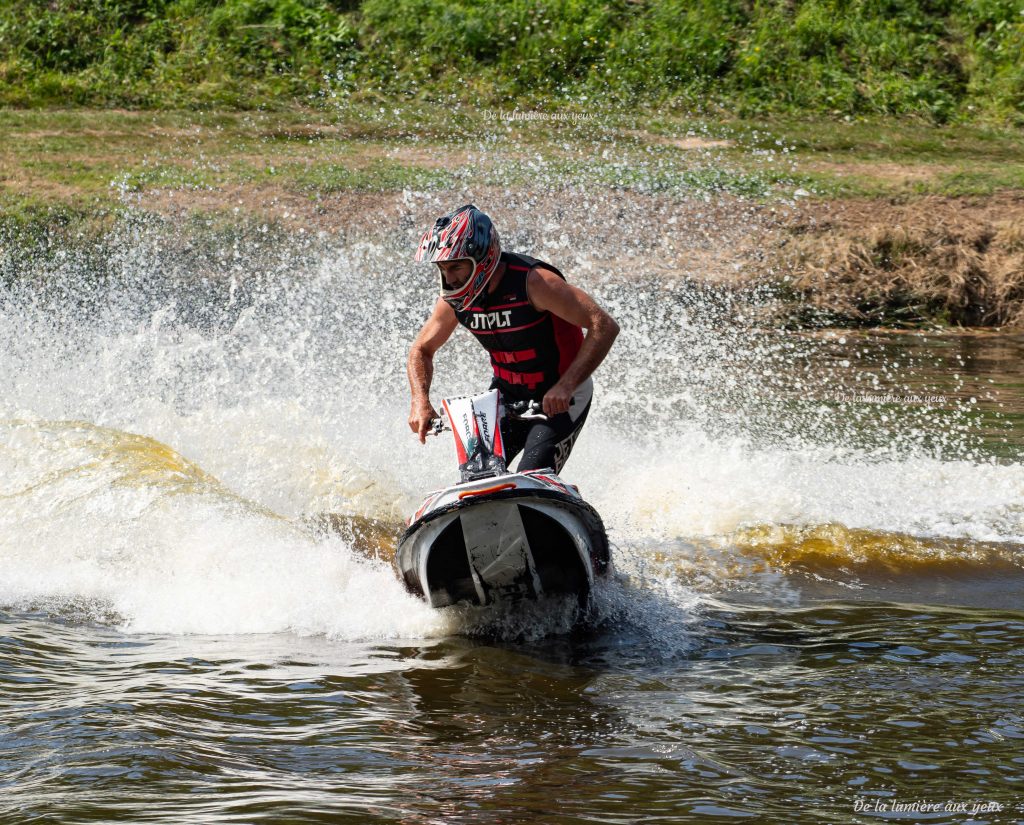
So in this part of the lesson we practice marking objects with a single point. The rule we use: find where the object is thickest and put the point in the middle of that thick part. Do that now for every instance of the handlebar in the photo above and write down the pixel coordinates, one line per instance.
(523, 410)
(526, 410)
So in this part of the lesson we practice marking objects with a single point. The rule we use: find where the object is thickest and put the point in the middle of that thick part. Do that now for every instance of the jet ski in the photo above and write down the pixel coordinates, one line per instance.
(499, 536)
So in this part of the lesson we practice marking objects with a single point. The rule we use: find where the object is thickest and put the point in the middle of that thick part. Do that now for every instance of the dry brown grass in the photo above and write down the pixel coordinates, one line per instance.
(896, 175)
(957, 261)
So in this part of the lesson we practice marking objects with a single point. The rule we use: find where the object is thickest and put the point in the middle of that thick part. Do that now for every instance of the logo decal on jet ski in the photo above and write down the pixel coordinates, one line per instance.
(485, 431)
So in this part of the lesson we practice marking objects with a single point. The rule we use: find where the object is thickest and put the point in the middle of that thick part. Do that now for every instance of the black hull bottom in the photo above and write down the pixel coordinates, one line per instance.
(507, 547)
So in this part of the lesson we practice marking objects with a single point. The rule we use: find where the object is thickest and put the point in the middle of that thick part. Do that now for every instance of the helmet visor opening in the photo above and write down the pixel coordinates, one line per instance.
(456, 274)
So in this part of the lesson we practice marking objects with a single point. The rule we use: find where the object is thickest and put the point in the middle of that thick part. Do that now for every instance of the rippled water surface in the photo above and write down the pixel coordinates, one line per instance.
(779, 714)
(817, 613)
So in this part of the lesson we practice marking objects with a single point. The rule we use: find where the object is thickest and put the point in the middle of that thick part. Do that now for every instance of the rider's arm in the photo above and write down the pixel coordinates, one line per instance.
(549, 292)
(438, 329)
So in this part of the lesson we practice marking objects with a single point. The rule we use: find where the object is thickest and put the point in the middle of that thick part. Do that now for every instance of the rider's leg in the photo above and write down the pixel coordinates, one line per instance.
(550, 442)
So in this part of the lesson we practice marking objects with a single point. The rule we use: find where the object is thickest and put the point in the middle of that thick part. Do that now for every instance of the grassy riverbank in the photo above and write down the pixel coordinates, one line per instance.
(881, 221)
(91, 158)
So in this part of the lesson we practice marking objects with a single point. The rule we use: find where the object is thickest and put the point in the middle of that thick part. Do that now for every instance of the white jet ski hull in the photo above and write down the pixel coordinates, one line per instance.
(503, 538)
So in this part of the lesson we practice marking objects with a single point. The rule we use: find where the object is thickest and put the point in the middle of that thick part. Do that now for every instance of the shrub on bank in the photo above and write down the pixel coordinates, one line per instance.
(937, 58)
(156, 53)
(929, 262)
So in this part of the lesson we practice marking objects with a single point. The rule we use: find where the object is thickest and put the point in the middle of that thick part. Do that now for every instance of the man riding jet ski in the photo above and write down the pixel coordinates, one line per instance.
(498, 534)
(530, 321)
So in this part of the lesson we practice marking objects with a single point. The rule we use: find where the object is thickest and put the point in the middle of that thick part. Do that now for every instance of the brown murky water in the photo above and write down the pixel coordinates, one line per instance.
(818, 614)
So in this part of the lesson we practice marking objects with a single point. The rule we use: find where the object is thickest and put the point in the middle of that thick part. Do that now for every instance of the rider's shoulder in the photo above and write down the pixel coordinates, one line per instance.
(543, 272)
(546, 287)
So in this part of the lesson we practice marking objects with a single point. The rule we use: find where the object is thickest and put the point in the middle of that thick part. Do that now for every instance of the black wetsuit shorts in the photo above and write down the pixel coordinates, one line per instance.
(545, 444)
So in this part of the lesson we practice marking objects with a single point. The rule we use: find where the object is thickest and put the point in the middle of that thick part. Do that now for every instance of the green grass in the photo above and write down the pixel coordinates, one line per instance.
(937, 60)
(92, 159)
(888, 138)
(379, 176)
(864, 158)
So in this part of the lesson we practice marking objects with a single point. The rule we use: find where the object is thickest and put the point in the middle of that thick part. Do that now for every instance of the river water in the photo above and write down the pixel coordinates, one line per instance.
(817, 614)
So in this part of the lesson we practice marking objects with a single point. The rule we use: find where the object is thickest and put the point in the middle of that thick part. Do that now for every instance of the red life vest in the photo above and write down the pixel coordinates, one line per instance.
(530, 350)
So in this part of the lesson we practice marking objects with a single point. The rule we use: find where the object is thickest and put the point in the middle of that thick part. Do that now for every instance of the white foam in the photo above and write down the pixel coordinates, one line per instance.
(102, 517)
(298, 405)
(694, 487)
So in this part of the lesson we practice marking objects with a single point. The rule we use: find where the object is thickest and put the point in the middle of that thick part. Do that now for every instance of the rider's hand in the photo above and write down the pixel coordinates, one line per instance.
(556, 400)
(421, 417)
